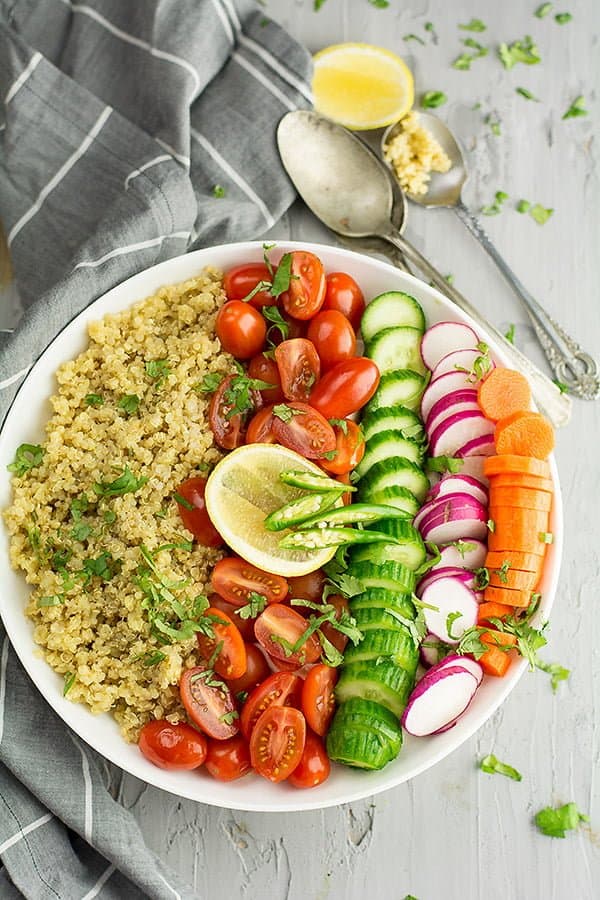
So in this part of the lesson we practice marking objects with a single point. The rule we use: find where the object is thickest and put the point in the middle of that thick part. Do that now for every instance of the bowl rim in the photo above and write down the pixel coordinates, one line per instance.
(144, 770)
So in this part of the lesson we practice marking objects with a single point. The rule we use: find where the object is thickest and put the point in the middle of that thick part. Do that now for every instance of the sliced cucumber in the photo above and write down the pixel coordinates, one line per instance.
(371, 715)
(376, 617)
(394, 472)
(410, 551)
(391, 308)
(392, 576)
(379, 598)
(395, 645)
(359, 746)
(397, 348)
(358, 715)
(399, 497)
(403, 387)
(394, 418)
(389, 445)
(382, 682)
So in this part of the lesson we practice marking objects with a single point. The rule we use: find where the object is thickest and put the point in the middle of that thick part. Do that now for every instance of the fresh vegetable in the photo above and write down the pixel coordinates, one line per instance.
(318, 698)
(397, 348)
(404, 545)
(333, 338)
(223, 649)
(279, 689)
(444, 338)
(172, 746)
(502, 393)
(456, 431)
(277, 742)
(228, 760)
(316, 538)
(310, 481)
(453, 518)
(460, 484)
(343, 295)
(521, 497)
(349, 447)
(236, 580)
(303, 428)
(260, 426)
(305, 294)
(493, 766)
(364, 734)
(496, 661)
(241, 329)
(257, 669)
(526, 434)
(303, 509)
(265, 369)
(442, 695)
(399, 473)
(241, 282)
(393, 418)
(556, 821)
(398, 388)
(468, 554)
(228, 425)
(314, 766)
(464, 400)
(194, 515)
(209, 702)
(345, 388)
(510, 463)
(285, 635)
(450, 609)
(299, 368)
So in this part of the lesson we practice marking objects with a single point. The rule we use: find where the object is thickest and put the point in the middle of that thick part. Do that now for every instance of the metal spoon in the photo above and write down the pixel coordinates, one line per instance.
(571, 365)
(348, 187)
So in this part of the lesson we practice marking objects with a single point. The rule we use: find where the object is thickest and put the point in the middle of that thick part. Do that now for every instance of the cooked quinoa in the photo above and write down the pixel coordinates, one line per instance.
(83, 553)
(414, 154)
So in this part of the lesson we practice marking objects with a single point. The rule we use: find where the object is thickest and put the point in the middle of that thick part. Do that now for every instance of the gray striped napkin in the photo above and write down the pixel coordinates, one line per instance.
(123, 121)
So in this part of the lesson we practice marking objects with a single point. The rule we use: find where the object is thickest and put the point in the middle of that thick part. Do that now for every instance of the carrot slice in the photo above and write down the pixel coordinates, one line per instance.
(520, 479)
(502, 393)
(511, 462)
(524, 498)
(524, 562)
(514, 579)
(507, 596)
(525, 434)
(493, 611)
(495, 661)
(518, 529)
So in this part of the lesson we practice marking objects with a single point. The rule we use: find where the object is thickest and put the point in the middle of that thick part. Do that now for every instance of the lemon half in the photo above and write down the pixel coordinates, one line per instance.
(362, 86)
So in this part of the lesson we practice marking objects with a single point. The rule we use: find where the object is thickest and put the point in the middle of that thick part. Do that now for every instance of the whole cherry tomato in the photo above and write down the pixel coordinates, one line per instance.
(235, 579)
(279, 689)
(241, 281)
(241, 329)
(208, 702)
(278, 628)
(304, 430)
(266, 370)
(318, 698)
(345, 388)
(314, 766)
(299, 368)
(277, 742)
(333, 337)
(307, 587)
(257, 669)
(288, 330)
(260, 427)
(349, 448)
(228, 430)
(344, 295)
(196, 519)
(226, 641)
(228, 760)
(306, 292)
(172, 746)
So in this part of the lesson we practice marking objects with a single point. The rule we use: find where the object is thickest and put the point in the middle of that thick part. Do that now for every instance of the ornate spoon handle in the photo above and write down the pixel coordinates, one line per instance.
(572, 366)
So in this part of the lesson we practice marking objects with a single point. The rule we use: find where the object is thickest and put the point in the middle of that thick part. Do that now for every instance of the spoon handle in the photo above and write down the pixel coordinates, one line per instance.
(571, 365)
(556, 406)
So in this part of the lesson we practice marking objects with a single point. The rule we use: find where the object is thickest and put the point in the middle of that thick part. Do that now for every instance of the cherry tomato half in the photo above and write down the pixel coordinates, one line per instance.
(305, 295)
(260, 427)
(349, 447)
(241, 281)
(230, 661)
(197, 520)
(307, 587)
(279, 689)
(257, 669)
(277, 742)
(208, 702)
(299, 368)
(345, 388)
(228, 760)
(333, 337)
(245, 626)
(307, 431)
(314, 766)
(344, 295)
(234, 579)
(228, 430)
(318, 699)
(172, 746)
(280, 623)
(241, 329)
(266, 370)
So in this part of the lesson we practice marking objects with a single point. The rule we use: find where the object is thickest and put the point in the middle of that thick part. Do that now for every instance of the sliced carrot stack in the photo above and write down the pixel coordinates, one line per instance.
(496, 661)
(489, 611)
(526, 434)
(516, 559)
(507, 597)
(520, 480)
(508, 463)
(522, 529)
(514, 579)
(502, 393)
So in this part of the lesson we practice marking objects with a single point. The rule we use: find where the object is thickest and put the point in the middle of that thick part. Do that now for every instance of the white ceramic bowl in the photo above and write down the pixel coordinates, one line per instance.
(25, 423)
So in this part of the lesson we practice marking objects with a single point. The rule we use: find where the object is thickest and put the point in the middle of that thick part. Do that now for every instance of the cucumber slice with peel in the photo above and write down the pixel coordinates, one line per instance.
(389, 309)
(360, 746)
(389, 445)
(390, 575)
(373, 617)
(396, 646)
(410, 550)
(393, 418)
(380, 598)
(397, 348)
(403, 388)
(383, 682)
(399, 497)
(394, 472)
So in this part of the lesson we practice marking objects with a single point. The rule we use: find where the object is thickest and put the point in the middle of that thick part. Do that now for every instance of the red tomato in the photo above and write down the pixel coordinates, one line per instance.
(257, 669)
(279, 689)
(266, 370)
(245, 626)
(347, 497)
(241, 281)
(279, 621)
(241, 329)
(260, 427)
(314, 766)
(228, 430)
(197, 520)
(208, 702)
(295, 329)
(307, 432)
(228, 760)
(344, 295)
(345, 388)
(277, 742)
(305, 295)
(172, 746)
(307, 587)
(318, 699)
(299, 368)
(230, 661)
(350, 449)
(334, 636)
(234, 579)
(333, 337)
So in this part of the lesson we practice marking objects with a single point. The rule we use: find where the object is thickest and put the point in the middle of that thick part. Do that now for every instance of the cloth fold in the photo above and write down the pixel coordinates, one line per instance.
(132, 132)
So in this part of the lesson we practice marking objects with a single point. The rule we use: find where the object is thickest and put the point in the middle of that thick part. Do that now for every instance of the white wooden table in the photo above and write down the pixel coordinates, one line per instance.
(455, 831)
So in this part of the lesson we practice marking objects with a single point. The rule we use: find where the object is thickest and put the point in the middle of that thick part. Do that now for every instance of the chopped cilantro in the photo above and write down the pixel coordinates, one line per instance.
(69, 682)
(209, 383)
(182, 501)
(495, 129)
(527, 94)
(283, 275)
(94, 400)
(444, 464)
(126, 483)
(78, 506)
(109, 516)
(543, 10)
(556, 821)
(380, 4)
(473, 25)
(494, 208)
(433, 99)
(253, 608)
(429, 26)
(450, 620)
(153, 659)
(286, 413)
(413, 37)
(540, 214)
(563, 18)
(28, 456)
(502, 572)
(218, 191)
(339, 423)
(229, 718)
(524, 51)
(563, 388)
(318, 4)
(158, 370)
(81, 531)
(577, 108)
(238, 395)
(129, 403)
(482, 579)
(103, 567)
(510, 333)
(493, 766)
(523, 206)
(278, 323)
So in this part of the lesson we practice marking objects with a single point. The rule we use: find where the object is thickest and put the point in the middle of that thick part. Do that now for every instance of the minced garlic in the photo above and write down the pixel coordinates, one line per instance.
(414, 154)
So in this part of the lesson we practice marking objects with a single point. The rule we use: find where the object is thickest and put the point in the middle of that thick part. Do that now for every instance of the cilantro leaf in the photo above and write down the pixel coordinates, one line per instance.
(158, 370)
(556, 821)
(209, 383)
(286, 413)
(433, 99)
(510, 333)
(253, 608)
(380, 4)
(563, 388)
(283, 275)
(543, 10)
(493, 766)
(413, 37)
(494, 208)
(577, 108)
(27, 456)
(524, 51)
(523, 206)
(563, 18)
(278, 323)
(129, 403)
(218, 191)
(527, 94)
(473, 25)
(126, 483)
(450, 620)
(444, 464)
(94, 400)
(540, 213)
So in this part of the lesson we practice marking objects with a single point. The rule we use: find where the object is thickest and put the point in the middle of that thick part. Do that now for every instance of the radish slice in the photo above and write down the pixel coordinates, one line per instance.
(457, 401)
(438, 388)
(440, 337)
(469, 555)
(460, 484)
(458, 430)
(445, 504)
(451, 518)
(456, 362)
(463, 575)
(473, 465)
(479, 446)
(438, 700)
(463, 662)
(430, 656)
(444, 597)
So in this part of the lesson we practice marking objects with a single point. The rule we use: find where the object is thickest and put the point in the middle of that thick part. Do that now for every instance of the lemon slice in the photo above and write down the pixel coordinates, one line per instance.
(244, 488)
(362, 86)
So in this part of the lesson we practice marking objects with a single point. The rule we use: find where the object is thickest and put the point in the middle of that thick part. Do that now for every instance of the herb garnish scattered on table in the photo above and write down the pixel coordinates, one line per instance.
(493, 766)
(556, 821)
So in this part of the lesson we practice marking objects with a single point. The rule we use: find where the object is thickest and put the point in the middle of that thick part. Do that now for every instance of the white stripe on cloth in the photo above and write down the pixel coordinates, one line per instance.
(3, 664)
(235, 176)
(136, 41)
(20, 81)
(184, 160)
(164, 157)
(95, 890)
(12, 378)
(58, 177)
(129, 248)
(87, 781)
(242, 61)
(22, 832)
(224, 20)
(164, 881)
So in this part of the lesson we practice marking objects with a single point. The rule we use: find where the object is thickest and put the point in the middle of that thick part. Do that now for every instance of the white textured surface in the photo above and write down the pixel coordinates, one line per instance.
(454, 831)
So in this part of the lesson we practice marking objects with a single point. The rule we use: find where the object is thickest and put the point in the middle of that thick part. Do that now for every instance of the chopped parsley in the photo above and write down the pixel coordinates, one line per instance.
(523, 206)
(540, 214)
(450, 620)
(253, 608)
(481, 364)
(502, 572)
(482, 579)
(494, 208)
(126, 483)
(182, 501)
(563, 18)
(413, 37)
(109, 516)
(463, 62)
(278, 323)
(104, 567)
(527, 94)
(341, 424)
(218, 191)
(209, 383)
(463, 547)
(69, 682)
(158, 370)
(283, 275)
(229, 718)
(493, 766)
(153, 659)
(129, 403)
(94, 400)
(238, 394)
(473, 25)
(524, 51)
(543, 10)
(444, 464)
(433, 99)
(286, 413)
(28, 456)
(509, 334)
(563, 388)
(555, 821)
(380, 4)
(318, 4)
(577, 108)
(81, 531)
